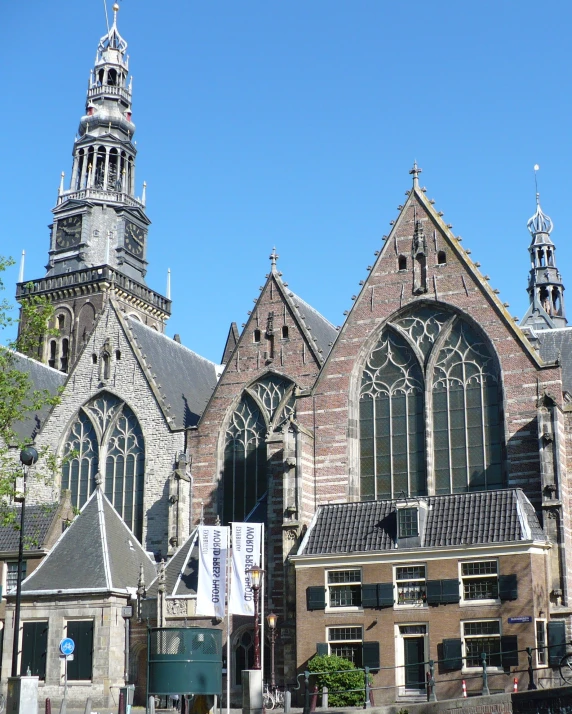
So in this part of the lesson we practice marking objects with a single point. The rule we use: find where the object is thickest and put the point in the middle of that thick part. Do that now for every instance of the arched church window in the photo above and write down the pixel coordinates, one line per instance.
(64, 359)
(264, 406)
(441, 257)
(106, 437)
(392, 430)
(52, 355)
(466, 414)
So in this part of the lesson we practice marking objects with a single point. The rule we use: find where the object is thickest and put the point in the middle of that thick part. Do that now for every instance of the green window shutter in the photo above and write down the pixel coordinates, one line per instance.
(450, 591)
(508, 588)
(316, 597)
(369, 595)
(322, 649)
(34, 648)
(452, 655)
(81, 632)
(556, 642)
(371, 655)
(385, 594)
(509, 647)
(433, 592)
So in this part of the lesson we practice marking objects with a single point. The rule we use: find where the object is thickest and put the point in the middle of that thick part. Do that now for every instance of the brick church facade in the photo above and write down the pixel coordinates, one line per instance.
(429, 391)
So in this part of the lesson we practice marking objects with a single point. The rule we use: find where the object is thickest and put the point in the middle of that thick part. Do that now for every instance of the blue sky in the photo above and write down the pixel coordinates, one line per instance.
(295, 124)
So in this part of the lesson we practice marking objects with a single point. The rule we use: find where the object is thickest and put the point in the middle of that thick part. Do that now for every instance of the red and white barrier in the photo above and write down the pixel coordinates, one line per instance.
(464, 689)
(515, 685)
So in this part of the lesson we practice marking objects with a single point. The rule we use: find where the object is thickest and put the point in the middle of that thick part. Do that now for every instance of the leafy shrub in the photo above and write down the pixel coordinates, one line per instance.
(336, 680)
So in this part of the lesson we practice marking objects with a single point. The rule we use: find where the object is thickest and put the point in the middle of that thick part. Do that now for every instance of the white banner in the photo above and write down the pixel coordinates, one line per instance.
(246, 551)
(211, 591)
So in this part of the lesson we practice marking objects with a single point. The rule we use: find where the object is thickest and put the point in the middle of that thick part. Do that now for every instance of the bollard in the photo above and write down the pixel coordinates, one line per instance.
(515, 685)
(367, 701)
(531, 684)
(151, 704)
(324, 697)
(464, 689)
(287, 701)
(48, 706)
(121, 705)
(486, 692)
(87, 709)
(306, 692)
(314, 702)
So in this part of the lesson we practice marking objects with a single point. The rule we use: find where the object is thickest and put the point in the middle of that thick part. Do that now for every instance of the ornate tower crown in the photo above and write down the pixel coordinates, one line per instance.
(540, 222)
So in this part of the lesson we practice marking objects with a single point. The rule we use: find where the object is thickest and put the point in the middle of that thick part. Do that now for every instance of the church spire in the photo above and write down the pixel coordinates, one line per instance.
(545, 287)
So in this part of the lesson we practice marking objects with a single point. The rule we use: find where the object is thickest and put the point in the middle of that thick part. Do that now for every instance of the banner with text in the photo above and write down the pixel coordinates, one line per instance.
(246, 542)
(213, 549)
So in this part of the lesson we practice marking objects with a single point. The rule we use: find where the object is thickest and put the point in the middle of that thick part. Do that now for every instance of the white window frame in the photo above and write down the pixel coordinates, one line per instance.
(351, 583)
(483, 601)
(490, 668)
(401, 510)
(343, 641)
(397, 581)
(545, 646)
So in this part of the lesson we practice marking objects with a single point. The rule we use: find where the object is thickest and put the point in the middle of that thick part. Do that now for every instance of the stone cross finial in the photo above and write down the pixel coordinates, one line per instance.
(415, 171)
(273, 259)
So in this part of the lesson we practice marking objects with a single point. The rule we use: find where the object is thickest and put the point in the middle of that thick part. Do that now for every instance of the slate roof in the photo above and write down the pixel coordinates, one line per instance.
(231, 342)
(554, 345)
(181, 572)
(42, 377)
(97, 552)
(185, 379)
(320, 328)
(452, 520)
(36, 527)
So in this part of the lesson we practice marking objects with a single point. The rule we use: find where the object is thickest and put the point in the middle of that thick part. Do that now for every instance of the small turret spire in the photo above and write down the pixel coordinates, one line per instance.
(273, 259)
(415, 171)
(22, 261)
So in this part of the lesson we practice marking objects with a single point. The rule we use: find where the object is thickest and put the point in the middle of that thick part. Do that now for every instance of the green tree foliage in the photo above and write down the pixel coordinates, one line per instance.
(337, 673)
(19, 399)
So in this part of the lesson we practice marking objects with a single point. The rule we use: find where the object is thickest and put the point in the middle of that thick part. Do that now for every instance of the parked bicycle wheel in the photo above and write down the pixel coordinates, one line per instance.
(267, 701)
(566, 668)
(2, 704)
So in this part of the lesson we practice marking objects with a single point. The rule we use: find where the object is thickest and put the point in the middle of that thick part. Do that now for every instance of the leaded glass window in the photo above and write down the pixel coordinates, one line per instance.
(392, 431)
(264, 406)
(106, 439)
(466, 415)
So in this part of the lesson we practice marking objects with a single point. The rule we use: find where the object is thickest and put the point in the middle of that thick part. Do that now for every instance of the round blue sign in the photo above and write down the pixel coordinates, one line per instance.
(67, 646)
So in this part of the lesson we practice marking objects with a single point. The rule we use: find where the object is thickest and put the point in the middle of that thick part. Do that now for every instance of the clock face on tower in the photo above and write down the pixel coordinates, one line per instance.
(134, 238)
(68, 232)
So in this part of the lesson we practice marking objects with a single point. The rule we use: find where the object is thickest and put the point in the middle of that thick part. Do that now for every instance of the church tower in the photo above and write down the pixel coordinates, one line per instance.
(545, 288)
(98, 240)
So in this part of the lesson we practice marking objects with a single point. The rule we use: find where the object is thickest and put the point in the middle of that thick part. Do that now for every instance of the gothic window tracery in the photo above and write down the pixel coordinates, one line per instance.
(264, 406)
(105, 440)
(430, 369)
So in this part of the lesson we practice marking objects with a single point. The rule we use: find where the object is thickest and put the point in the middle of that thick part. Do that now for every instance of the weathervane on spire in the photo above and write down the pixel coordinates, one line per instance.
(415, 171)
(540, 222)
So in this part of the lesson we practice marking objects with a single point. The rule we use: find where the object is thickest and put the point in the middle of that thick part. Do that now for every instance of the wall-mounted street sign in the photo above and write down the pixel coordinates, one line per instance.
(519, 619)
(67, 646)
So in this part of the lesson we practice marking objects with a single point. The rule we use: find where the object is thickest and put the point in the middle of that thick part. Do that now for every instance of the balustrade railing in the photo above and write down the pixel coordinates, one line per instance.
(100, 194)
(98, 90)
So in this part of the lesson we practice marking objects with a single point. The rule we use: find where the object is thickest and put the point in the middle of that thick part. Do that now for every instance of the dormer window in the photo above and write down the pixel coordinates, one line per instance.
(407, 522)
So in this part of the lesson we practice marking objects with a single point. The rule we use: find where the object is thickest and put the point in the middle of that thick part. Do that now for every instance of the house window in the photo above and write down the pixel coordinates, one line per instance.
(34, 648)
(541, 658)
(408, 522)
(346, 642)
(81, 632)
(482, 636)
(12, 575)
(480, 580)
(344, 588)
(410, 581)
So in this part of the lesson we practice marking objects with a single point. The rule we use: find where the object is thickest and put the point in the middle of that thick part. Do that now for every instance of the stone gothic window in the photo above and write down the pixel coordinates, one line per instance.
(429, 382)
(264, 406)
(106, 441)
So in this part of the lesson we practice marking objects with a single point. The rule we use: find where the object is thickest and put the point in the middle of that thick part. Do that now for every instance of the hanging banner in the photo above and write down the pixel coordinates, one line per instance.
(246, 551)
(211, 591)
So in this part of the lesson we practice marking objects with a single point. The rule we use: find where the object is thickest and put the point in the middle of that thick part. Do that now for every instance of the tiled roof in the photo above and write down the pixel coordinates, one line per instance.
(185, 379)
(557, 345)
(97, 551)
(36, 527)
(181, 572)
(453, 520)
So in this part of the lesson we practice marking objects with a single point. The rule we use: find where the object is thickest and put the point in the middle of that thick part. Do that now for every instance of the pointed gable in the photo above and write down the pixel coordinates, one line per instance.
(96, 553)
(181, 572)
(231, 342)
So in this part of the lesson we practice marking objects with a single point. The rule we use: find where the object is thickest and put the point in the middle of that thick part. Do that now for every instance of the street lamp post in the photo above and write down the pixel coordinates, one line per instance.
(272, 618)
(28, 457)
(256, 574)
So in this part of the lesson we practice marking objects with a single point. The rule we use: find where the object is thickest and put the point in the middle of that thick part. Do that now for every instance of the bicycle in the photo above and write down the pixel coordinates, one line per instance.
(566, 668)
(272, 698)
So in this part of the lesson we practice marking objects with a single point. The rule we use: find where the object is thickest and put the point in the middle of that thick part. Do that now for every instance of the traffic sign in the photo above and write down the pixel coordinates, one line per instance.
(67, 646)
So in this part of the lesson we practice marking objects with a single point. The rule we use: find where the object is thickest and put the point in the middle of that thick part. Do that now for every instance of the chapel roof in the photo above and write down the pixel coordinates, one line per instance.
(181, 572)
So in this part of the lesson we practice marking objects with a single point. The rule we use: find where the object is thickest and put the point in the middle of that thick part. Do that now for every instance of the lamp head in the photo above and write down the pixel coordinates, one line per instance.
(28, 456)
(272, 619)
(256, 573)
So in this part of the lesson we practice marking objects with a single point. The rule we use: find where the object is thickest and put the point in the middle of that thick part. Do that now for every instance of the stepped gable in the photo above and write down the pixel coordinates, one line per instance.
(184, 379)
(97, 553)
(555, 345)
(42, 378)
(452, 520)
(181, 572)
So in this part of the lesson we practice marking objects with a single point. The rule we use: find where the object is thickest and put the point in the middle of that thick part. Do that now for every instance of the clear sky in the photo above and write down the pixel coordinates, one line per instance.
(295, 124)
